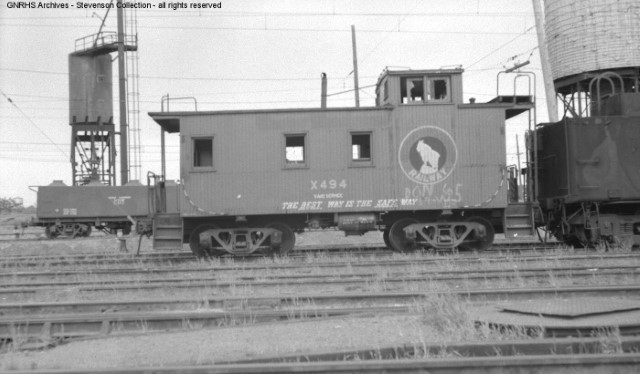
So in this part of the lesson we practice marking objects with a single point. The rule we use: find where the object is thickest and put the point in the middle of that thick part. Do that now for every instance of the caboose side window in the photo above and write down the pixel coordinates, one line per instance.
(294, 152)
(360, 146)
(203, 152)
(385, 88)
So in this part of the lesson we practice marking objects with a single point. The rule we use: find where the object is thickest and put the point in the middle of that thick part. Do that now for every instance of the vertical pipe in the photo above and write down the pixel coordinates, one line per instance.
(323, 95)
(579, 101)
(162, 155)
(518, 154)
(550, 93)
(74, 135)
(355, 66)
(124, 149)
(112, 155)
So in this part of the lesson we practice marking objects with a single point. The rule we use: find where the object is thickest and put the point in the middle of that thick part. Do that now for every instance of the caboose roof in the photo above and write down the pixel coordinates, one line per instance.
(409, 72)
(170, 121)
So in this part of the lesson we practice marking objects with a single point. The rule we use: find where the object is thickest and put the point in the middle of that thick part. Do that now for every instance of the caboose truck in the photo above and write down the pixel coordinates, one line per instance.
(422, 166)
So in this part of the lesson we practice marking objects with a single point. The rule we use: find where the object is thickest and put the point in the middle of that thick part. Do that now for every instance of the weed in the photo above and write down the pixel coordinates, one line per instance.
(609, 340)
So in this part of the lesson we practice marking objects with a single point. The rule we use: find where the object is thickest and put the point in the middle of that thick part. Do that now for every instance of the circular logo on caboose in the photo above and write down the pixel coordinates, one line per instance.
(427, 155)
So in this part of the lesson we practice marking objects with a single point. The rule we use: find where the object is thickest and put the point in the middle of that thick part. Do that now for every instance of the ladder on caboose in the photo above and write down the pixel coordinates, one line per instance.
(167, 223)
(167, 231)
(519, 221)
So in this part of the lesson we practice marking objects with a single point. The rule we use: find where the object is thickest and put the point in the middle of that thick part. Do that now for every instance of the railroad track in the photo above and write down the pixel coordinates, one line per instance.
(13, 263)
(52, 322)
(316, 299)
(355, 264)
(548, 346)
(185, 278)
(269, 281)
(17, 261)
(555, 363)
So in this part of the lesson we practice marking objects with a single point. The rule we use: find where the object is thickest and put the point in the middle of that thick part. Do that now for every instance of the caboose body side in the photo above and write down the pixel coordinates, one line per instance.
(421, 165)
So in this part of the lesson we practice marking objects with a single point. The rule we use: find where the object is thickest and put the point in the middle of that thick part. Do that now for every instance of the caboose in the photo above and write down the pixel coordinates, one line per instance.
(422, 166)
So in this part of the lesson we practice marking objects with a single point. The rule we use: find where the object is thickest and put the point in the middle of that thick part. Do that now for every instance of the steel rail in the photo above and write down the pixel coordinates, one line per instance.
(574, 363)
(57, 327)
(49, 276)
(47, 327)
(231, 264)
(316, 299)
(314, 280)
(354, 250)
(528, 347)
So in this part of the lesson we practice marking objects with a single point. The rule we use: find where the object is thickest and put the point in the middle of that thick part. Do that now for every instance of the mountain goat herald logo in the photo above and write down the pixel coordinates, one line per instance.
(427, 155)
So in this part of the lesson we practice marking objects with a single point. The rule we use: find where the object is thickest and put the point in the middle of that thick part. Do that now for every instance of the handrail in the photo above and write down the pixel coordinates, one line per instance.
(167, 99)
(101, 39)
(598, 80)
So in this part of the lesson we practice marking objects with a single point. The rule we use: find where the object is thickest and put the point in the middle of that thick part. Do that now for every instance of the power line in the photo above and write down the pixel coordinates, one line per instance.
(388, 34)
(198, 14)
(67, 145)
(33, 123)
(283, 29)
(502, 46)
(184, 78)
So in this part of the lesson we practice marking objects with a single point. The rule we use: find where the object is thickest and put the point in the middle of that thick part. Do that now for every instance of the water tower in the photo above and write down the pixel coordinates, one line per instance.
(594, 51)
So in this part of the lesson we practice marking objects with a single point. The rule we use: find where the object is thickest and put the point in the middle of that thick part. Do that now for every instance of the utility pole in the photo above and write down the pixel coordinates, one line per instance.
(124, 150)
(355, 66)
(323, 94)
(549, 89)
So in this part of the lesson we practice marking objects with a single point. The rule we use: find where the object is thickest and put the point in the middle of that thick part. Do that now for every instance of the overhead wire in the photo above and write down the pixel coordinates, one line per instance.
(500, 47)
(32, 122)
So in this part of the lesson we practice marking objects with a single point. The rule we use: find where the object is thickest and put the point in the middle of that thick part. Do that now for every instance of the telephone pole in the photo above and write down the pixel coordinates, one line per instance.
(124, 150)
(355, 66)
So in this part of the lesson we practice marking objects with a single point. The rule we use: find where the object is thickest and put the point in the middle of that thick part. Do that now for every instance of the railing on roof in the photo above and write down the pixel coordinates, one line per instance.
(102, 39)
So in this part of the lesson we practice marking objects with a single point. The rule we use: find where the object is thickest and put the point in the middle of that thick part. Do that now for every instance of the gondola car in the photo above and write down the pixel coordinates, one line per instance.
(74, 211)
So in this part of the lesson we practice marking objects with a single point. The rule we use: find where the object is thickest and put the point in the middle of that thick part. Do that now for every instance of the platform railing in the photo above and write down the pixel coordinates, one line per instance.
(101, 39)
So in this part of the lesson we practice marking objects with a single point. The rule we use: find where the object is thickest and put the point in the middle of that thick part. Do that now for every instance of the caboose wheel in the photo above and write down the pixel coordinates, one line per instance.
(398, 239)
(288, 238)
(479, 239)
(199, 248)
(385, 236)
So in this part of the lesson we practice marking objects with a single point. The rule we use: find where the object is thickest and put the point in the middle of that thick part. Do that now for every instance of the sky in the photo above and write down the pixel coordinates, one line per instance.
(248, 54)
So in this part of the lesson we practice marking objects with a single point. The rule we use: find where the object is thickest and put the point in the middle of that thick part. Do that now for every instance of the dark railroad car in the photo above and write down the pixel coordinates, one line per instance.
(589, 167)
(422, 165)
(74, 210)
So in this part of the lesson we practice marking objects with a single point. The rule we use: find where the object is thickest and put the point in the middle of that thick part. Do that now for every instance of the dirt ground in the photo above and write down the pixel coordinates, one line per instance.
(202, 347)
(229, 343)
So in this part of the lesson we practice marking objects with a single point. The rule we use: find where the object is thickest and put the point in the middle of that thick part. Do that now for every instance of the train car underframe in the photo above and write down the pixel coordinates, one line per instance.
(402, 231)
(82, 228)
(591, 224)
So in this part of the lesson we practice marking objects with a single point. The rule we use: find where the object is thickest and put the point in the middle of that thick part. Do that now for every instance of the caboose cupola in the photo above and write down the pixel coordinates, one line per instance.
(419, 87)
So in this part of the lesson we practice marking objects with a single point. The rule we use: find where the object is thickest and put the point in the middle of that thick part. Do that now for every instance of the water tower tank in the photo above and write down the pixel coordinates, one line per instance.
(592, 35)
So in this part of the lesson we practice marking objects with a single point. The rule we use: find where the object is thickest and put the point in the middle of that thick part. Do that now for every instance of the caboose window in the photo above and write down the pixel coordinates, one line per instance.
(361, 146)
(294, 149)
(425, 89)
(385, 87)
(440, 89)
(203, 152)
(412, 89)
